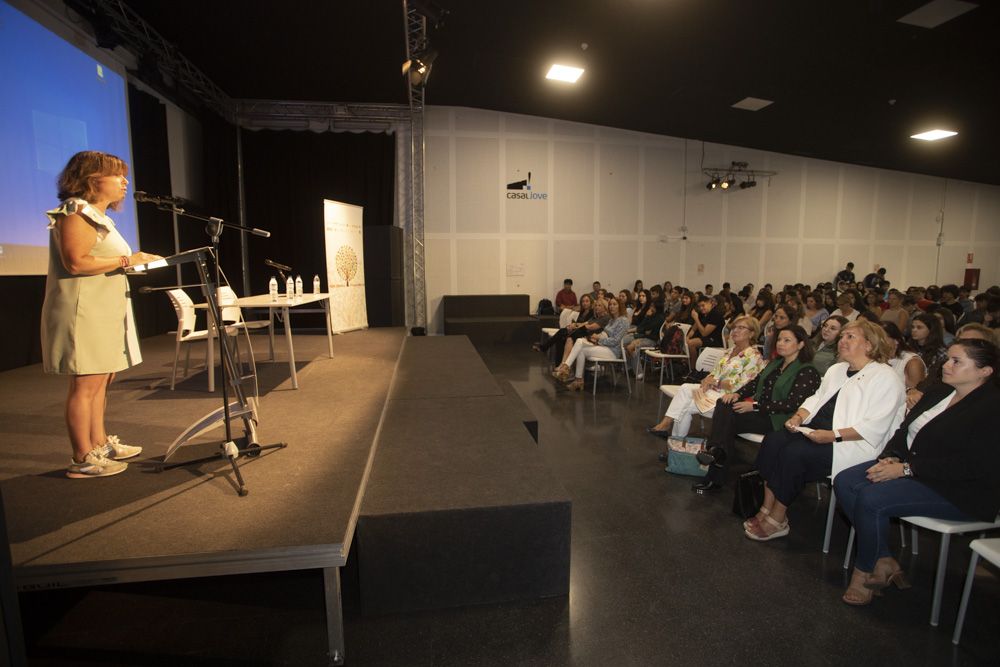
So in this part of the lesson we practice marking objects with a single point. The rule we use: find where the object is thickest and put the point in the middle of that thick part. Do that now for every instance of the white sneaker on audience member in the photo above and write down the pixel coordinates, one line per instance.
(94, 465)
(114, 449)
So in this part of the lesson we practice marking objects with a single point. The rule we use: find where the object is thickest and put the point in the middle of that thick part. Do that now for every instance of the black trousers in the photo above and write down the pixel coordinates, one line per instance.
(559, 337)
(787, 461)
(726, 425)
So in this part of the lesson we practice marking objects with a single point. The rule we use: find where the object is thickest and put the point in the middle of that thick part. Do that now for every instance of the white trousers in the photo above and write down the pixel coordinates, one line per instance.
(682, 408)
(578, 346)
(590, 353)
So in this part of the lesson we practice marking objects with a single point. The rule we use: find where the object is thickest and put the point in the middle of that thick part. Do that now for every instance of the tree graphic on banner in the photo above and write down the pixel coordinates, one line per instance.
(347, 263)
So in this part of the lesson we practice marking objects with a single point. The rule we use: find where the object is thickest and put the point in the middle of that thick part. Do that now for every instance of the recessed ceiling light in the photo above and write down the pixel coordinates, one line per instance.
(936, 12)
(564, 73)
(933, 135)
(752, 104)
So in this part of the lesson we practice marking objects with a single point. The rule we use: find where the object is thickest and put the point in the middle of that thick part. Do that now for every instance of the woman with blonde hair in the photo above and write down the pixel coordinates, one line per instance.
(88, 331)
(848, 420)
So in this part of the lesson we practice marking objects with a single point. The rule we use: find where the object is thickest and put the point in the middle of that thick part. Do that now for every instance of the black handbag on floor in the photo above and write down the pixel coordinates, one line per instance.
(749, 494)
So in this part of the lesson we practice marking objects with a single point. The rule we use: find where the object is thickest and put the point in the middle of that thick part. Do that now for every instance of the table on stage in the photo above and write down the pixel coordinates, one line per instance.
(284, 305)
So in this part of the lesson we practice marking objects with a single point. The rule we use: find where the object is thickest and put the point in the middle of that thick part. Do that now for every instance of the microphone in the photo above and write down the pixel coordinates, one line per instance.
(141, 196)
(147, 290)
(275, 265)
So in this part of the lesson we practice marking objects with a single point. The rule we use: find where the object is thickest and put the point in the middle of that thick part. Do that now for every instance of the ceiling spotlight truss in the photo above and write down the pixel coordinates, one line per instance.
(738, 173)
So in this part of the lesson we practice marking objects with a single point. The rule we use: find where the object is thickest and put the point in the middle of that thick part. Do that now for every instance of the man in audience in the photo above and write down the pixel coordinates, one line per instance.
(949, 299)
(727, 293)
(964, 300)
(709, 289)
(566, 297)
(846, 275)
(874, 280)
(596, 294)
(706, 331)
(978, 313)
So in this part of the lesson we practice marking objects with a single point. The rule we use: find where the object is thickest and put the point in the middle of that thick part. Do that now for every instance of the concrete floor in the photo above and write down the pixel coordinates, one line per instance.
(659, 575)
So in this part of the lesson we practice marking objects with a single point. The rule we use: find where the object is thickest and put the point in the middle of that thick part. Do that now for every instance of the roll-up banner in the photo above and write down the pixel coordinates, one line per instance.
(345, 265)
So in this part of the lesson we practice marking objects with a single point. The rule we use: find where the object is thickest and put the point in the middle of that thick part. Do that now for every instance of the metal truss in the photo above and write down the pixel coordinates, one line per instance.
(413, 225)
(321, 116)
(143, 40)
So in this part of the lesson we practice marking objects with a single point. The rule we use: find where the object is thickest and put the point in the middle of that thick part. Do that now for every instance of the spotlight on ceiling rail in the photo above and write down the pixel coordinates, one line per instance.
(713, 183)
(418, 68)
(749, 183)
(724, 178)
(728, 183)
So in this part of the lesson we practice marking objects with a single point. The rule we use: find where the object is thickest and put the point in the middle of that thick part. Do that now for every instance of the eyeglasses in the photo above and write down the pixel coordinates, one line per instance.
(740, 326)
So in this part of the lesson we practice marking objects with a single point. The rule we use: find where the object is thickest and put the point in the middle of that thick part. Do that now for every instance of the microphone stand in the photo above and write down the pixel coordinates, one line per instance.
(229, 449)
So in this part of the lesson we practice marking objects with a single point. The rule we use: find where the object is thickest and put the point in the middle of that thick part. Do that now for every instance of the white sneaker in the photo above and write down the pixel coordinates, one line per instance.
(94, 465)
(115, 450)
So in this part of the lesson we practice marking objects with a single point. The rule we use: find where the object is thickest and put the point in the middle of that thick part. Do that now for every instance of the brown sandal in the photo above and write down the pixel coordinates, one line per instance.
(858, 593)
(759, 533)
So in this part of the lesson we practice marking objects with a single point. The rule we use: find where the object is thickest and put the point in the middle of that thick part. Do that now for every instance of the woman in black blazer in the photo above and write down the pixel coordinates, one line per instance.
(942, 462)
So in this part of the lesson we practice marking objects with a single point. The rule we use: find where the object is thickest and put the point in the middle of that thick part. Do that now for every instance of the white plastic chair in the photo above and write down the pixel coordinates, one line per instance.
(654, 355)
(599, 364)
(988, 549)
(947, 529)
(707, 358)
(232, 317)
(566, 316)
(187, 333)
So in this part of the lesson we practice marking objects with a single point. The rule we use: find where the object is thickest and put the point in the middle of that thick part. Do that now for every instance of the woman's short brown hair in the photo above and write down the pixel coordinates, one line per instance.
(83, 169)
(876, 337)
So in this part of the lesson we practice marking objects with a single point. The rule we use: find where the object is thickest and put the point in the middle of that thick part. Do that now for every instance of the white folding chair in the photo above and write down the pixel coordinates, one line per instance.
(947, 529)
(599, 365)
(232, 317)
(187, 333)
(655, 355)
(641, 351)
(566, 316)
(988, 549)
(707, 358)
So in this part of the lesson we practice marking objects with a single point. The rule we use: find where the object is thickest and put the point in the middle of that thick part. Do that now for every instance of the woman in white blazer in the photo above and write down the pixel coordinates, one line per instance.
(858, 406)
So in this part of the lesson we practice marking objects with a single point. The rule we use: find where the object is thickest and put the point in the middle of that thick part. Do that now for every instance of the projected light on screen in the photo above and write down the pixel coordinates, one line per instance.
(56, 100)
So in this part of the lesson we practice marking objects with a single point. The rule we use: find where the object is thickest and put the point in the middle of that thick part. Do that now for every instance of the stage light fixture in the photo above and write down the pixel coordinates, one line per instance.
(419, 67)
(728, 183)
(714, 183)
(749, 183)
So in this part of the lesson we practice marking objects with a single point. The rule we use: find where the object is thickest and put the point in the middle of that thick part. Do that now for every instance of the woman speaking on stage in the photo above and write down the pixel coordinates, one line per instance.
(88, 331)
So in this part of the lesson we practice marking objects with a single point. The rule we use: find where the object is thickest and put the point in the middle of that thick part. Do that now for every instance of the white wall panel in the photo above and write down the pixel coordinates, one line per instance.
(777, 255)
(704, 207)
(893, 205)
(818, 264)
(744, 211)
(928, 198)
(702, 264)
(478, 185)
(921, 264)
(573, 187)
(618, 264)
(564, 129)
(784, 197)
(524, 158)
(985, 259)
(476, 120)
(889, 256)
(820, 210)
(951, 268)
(437, 119)
(958, 211)
(437, 186)
(742, 264)
(437, 256)
(859, 253)
(478, 266)
(533, 257)
(988, 214)
(574, 260)
(619, 189)
(518, 124)
(858, 203)
(661, 262)
(663, 189)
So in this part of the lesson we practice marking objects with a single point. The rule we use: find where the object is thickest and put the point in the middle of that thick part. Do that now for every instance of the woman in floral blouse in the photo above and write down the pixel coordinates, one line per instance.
(741, 364)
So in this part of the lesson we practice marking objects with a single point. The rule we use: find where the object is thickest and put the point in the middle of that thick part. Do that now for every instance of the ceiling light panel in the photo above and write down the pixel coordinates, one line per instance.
(936, 12)
(752, 104)
(934, 135)
(564, 73)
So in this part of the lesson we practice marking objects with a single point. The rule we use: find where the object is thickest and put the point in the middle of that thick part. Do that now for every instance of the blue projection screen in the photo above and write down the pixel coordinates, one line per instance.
(56, 100)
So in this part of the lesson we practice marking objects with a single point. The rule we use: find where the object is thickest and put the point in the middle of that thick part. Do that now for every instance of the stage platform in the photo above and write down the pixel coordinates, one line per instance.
(305, 500)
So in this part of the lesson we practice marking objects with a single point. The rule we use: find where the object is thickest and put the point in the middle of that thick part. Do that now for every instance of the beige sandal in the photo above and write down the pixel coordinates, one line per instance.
(858, 594)
(753, 521)
(759, 533)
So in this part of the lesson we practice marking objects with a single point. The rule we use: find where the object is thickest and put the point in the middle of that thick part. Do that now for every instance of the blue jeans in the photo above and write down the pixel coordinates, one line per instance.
(870, 505)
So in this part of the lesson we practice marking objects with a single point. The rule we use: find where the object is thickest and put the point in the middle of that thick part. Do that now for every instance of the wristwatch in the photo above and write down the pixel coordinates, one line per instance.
(837, 437)
(907, 472)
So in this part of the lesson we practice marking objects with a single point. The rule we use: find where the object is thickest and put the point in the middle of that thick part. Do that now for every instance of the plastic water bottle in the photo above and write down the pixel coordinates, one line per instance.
(317, 287)
(272, 288)
(298, 285)
(290, 289)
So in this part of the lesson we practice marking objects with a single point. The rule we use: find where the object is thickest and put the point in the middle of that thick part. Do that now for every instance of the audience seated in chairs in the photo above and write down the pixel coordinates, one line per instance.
(815, 311)
(763, 308)
(762, 405)
(850, 418)
(559, 337)
(927, 340)
(594, 325)
(603, 345)
(647, 332)
(925, 469)
(706, 327)
(825, 341)
(784, 315)
(908, 365)
(739, 365)
(566, 297)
